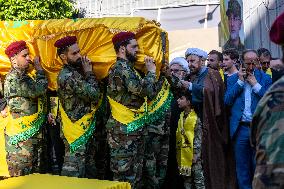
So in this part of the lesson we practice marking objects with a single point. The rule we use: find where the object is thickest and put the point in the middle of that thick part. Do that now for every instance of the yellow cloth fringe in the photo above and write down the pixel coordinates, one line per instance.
(184, 142)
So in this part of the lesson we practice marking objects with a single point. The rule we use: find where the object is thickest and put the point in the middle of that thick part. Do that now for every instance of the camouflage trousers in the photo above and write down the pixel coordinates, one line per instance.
(196, 180)
(80, 163)
(156, 157)
(126, 157)
(25, 157)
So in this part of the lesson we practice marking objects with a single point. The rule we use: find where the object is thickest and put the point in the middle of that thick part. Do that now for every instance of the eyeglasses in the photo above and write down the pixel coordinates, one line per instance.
(176, 70)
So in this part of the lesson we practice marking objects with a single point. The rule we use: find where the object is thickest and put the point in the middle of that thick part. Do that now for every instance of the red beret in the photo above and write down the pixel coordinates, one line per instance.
(122, 36)
(277, 30)
(65, 42)
(15, 47)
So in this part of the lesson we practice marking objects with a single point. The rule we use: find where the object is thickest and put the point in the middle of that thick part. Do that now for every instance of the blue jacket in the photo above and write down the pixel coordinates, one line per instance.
(235, 98)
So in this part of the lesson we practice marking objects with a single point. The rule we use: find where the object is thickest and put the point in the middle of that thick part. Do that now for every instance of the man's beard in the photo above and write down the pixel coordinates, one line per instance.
(130, 57)
(77, 63)
(234, 35)
(213, 67)
(193, 71)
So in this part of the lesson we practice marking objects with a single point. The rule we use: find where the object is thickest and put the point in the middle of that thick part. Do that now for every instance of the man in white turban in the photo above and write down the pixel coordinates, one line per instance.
(207, 94)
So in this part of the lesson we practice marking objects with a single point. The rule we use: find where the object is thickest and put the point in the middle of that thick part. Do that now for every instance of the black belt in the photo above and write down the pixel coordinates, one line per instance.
(245, 123)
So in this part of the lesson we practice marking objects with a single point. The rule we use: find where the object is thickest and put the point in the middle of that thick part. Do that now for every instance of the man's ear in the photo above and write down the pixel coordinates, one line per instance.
(13, 61)
(122, 48)
(63, 56)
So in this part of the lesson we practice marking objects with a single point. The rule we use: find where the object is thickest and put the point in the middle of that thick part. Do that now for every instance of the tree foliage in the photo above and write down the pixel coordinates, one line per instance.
(35, 9)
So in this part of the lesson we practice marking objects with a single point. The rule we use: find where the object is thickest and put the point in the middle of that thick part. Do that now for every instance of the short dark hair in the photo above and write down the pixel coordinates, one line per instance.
(234, 8)
(219, 55)
(264, 52)
(232, 53)
(186, 94)
(247, 51)
(123, 43)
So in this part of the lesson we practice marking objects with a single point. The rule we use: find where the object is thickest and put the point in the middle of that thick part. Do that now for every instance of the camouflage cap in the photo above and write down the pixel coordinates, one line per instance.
(234, 8)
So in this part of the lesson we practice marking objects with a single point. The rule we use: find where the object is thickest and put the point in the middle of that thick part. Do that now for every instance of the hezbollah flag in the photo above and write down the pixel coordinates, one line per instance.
(94, 39)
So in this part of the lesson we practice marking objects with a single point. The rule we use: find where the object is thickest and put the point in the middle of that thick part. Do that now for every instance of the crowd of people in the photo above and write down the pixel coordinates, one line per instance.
(208, 121)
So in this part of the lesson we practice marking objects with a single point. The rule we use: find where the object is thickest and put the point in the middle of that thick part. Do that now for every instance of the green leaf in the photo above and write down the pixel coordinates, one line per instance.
(35, 9)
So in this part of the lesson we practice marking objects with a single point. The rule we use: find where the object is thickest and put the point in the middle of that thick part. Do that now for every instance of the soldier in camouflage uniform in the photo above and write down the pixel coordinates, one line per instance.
(267, 132)
(77, 90)
(126, 87)
(157, 147)
(22, 93)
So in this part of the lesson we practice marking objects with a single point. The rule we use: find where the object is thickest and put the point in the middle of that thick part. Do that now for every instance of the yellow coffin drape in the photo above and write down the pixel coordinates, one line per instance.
(45, 181)
(94, 38)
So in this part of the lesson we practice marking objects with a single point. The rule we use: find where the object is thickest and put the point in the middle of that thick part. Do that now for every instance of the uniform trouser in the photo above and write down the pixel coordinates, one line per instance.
(126, 157)
(25, 157)
(244, 155)
(80, 163)
(156, 157)
(196, 180)
(56, 148)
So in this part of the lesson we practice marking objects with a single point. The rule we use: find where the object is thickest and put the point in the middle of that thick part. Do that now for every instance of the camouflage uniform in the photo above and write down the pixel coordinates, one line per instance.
(157, 148)
(2, 99)
(267, 136)
(22, 93)
(77, 94)
(127, 150)
(196, 180)
(230, 45)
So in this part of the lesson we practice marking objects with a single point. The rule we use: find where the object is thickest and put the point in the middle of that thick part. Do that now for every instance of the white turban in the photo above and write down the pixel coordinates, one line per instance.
(197, 52)
(182, 62)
